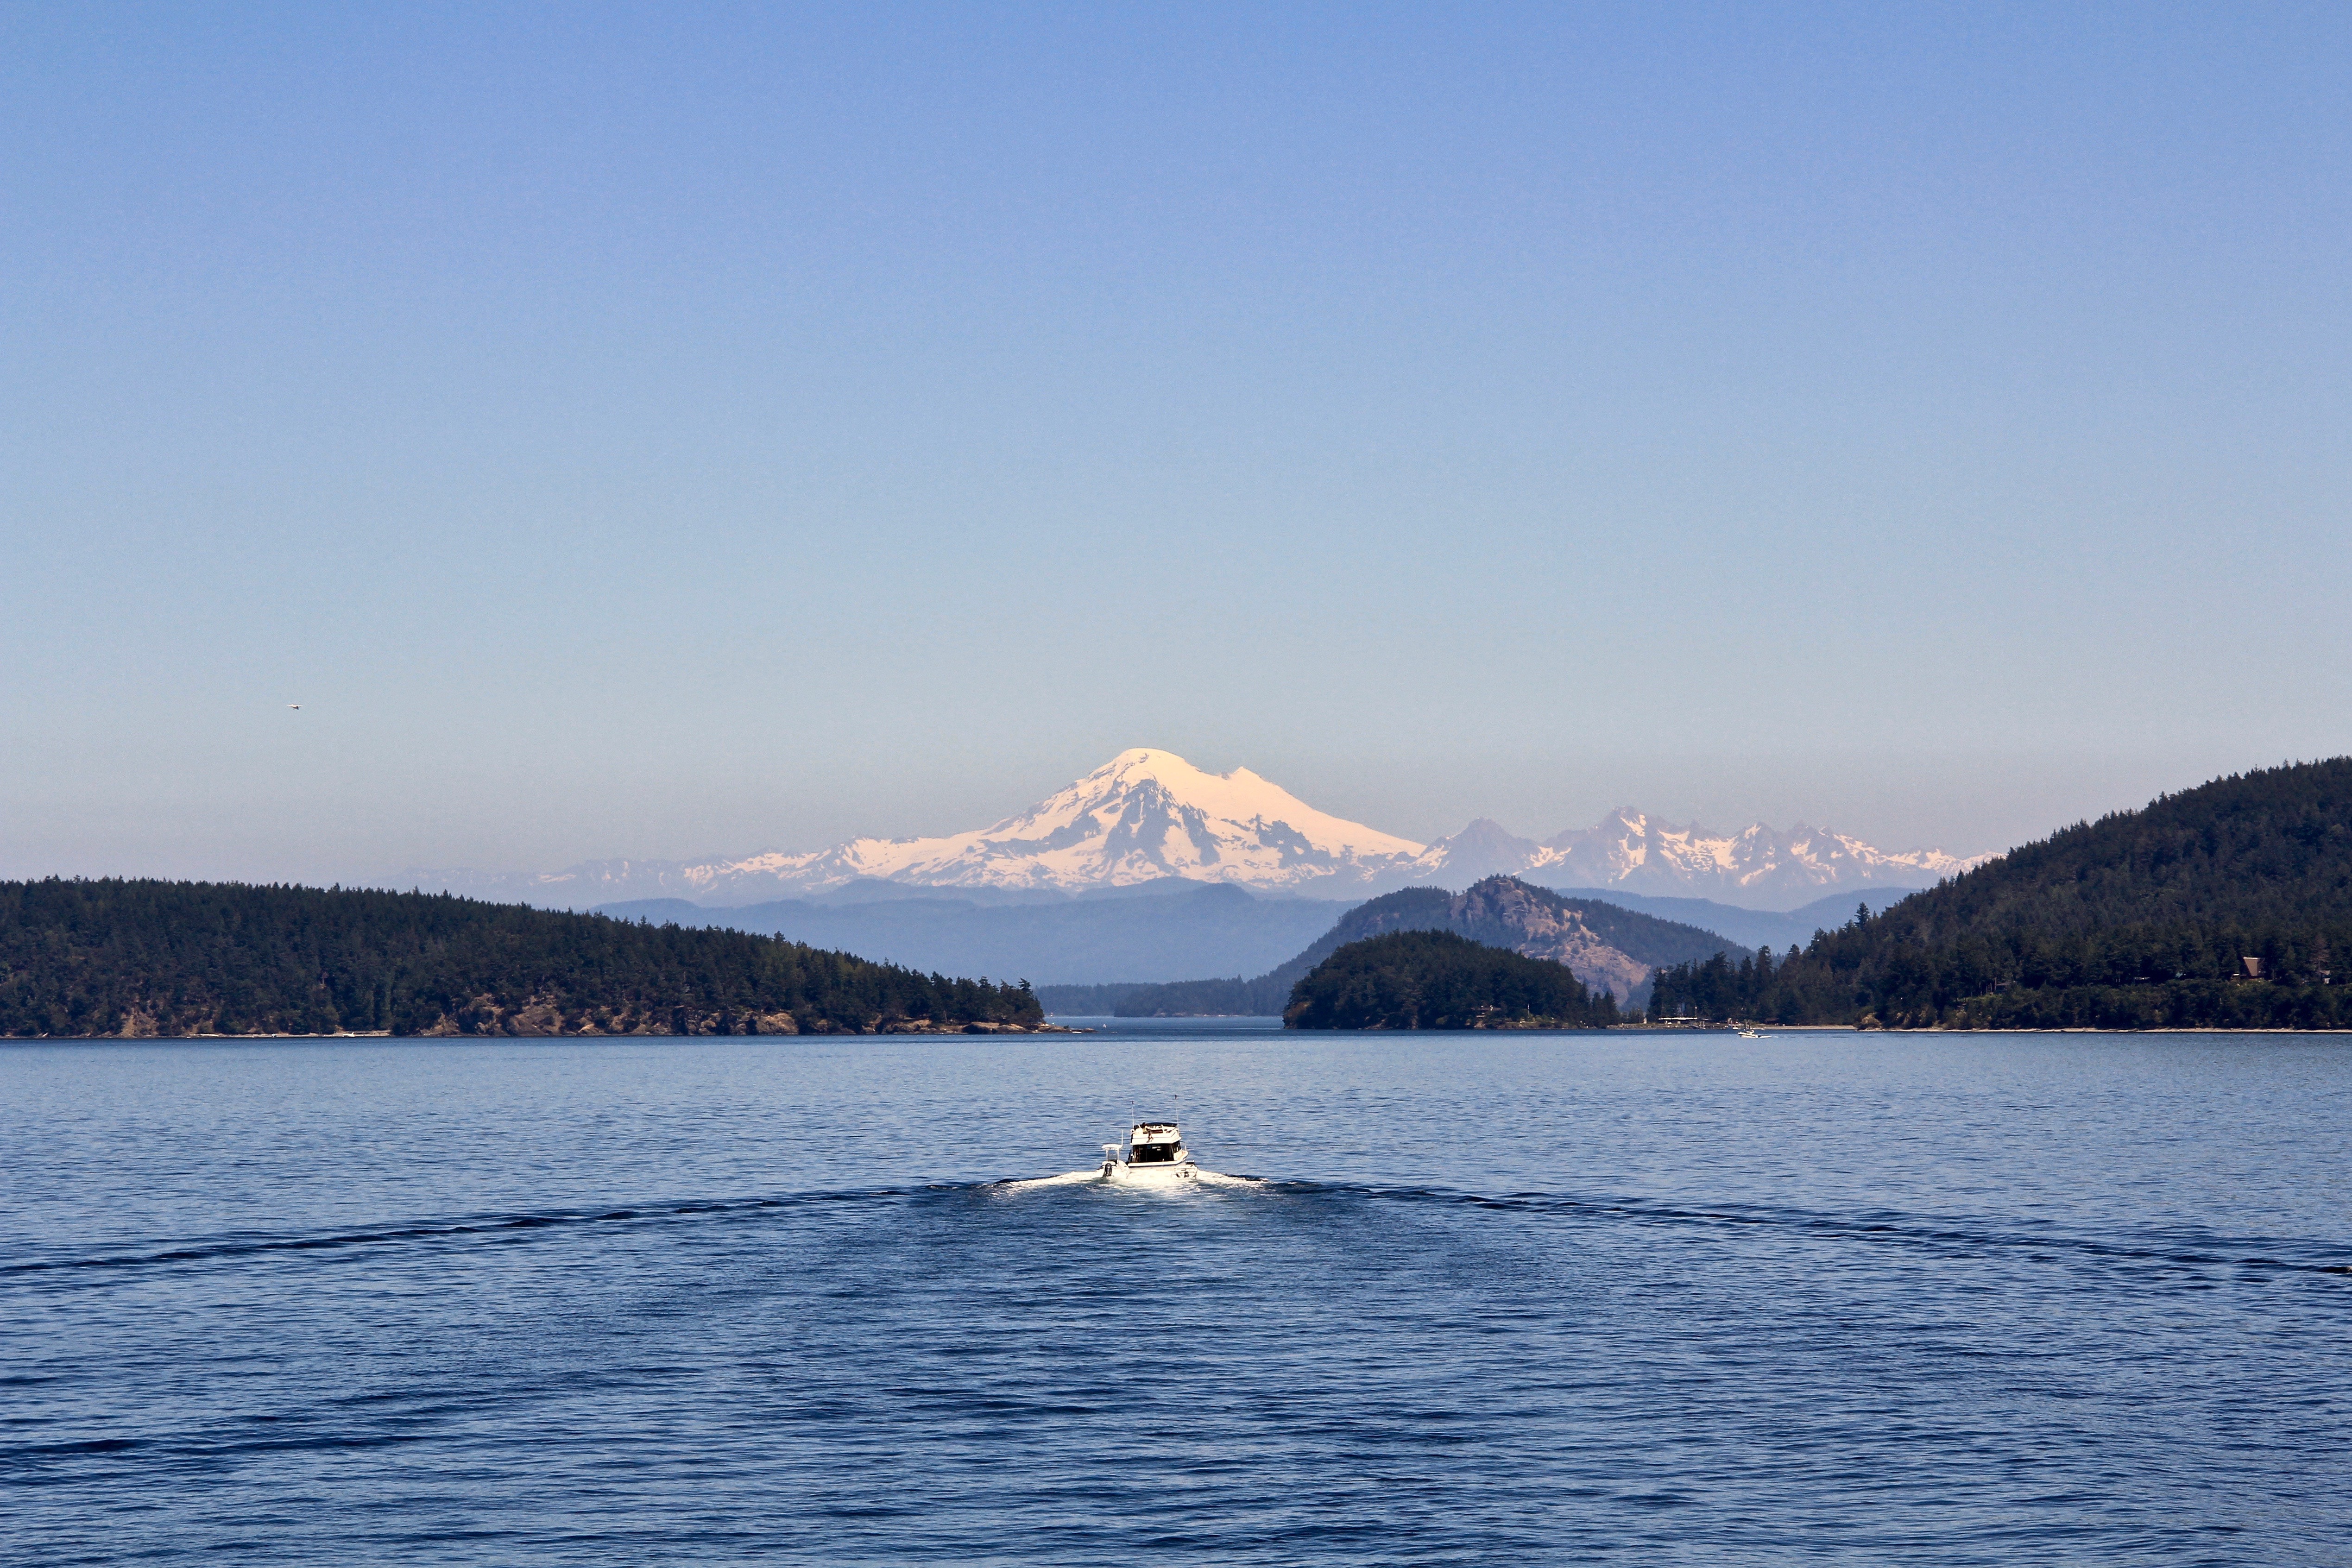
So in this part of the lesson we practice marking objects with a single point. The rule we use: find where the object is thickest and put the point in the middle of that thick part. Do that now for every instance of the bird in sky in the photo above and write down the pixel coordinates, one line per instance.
(295, 705)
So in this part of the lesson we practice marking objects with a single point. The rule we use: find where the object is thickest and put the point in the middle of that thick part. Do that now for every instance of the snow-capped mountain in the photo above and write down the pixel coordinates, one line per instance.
(1146, 815)
(1143, 816)
(1759, 867)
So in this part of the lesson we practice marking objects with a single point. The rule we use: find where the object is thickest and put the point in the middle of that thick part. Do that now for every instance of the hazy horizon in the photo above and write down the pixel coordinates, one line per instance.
(1726, 825)
(384, 875)
(659, 434)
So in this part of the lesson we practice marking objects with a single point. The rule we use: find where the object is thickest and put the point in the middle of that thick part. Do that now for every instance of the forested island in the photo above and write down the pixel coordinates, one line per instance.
(1596, 937)
(2226, 906)
(1439, 980)
(175, 958)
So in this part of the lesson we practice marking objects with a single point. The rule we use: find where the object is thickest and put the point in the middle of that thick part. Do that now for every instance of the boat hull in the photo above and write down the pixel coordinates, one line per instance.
(1172, 1175)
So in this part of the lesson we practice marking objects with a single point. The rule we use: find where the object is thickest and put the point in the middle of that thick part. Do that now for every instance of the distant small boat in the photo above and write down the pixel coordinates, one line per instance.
(1155, 1153)
(1748, 1031)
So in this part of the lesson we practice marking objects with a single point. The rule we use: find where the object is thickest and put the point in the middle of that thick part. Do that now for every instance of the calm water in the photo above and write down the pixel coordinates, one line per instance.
(1530, 1299)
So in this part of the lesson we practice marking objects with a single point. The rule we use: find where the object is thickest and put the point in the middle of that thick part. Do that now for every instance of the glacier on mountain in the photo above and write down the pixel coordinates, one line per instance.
(1758, 867)
(1142, 816)
(1147, 815)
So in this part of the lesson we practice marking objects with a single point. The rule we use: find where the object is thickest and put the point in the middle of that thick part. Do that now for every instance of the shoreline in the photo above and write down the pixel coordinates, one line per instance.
(967, 1030)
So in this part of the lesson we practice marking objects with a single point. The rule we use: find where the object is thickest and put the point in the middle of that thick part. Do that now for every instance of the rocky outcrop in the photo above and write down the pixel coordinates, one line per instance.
(541, 1018)
(1505, 913)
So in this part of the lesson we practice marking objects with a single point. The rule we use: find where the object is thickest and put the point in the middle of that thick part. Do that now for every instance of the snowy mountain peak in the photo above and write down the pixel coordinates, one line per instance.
(1240, 797)
(1148, 814)
(1143, 762)
(1485, 848)
(1758, 866)
(1144, 815)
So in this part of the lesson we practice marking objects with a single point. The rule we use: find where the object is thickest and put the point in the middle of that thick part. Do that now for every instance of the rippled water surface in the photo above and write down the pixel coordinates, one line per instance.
(1526, 1299)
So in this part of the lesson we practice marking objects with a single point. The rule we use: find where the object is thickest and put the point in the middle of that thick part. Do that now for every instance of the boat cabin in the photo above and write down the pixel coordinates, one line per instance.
(1154, 1143)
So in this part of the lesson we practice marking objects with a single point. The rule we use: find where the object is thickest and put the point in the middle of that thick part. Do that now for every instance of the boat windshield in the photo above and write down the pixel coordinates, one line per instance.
(1148, 1154)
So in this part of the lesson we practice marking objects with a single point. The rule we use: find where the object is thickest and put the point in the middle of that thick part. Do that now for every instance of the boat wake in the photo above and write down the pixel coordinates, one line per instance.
(1096, 1179)
(1067, 1179)
(2196, 1252)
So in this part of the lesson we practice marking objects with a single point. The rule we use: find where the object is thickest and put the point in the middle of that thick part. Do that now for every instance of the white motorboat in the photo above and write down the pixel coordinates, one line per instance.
(1155, 1153)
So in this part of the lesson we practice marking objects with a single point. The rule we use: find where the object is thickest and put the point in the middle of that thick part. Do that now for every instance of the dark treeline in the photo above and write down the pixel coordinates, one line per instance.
(1236, 997)
(2143, 919)
(111, 958)
(1435, 980)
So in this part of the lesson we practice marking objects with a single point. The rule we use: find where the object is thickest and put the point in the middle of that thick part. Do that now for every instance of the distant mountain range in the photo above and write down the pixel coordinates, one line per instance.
(1146, 816)
(1758, 867)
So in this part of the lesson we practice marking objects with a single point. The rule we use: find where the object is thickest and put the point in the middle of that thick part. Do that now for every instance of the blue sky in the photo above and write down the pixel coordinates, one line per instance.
(662, 430)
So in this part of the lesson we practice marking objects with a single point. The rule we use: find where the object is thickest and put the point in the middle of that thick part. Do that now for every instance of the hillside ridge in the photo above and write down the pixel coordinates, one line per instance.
(2226, 905)
(147, 958)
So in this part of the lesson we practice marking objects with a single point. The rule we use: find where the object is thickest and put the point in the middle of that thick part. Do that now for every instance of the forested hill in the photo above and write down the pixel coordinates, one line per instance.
(1438, 980)
(2142, 919)
(1603, 943)
(138, 958)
